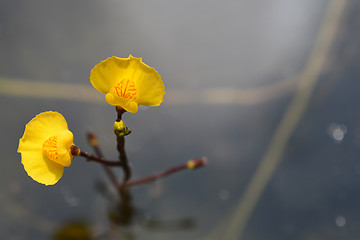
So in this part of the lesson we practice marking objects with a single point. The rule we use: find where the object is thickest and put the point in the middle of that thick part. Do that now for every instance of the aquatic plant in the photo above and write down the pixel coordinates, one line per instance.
(47, 144)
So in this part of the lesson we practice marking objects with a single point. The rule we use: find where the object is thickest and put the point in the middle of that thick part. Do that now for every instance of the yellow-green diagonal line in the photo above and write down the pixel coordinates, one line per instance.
(290, 120)
(23, 88)
(49, 90)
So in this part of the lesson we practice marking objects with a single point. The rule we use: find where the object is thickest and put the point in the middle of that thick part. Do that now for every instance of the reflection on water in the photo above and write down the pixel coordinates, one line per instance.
(230, 69)
(122, 213)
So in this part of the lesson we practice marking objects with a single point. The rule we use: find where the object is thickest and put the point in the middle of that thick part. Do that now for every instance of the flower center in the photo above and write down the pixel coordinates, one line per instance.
(58, 148)
(125, 88)
(50, 148)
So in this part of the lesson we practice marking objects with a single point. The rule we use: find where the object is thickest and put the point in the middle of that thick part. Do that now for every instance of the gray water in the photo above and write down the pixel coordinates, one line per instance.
(230, 69)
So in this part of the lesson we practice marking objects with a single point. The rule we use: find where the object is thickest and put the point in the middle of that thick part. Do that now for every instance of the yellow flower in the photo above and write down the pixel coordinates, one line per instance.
(45, 147)
(128, 82)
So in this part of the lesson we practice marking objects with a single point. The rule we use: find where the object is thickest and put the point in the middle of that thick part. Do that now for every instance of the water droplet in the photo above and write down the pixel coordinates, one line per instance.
(340, 221)
(69, 197)
(337, 132)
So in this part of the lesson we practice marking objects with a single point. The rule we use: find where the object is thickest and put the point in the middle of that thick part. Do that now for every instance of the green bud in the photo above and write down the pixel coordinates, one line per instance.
(120, 129)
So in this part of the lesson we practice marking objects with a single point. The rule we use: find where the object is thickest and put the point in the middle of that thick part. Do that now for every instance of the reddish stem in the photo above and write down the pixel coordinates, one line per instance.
(192, 164)
(77, 152)
(94, 143)
(121, 148)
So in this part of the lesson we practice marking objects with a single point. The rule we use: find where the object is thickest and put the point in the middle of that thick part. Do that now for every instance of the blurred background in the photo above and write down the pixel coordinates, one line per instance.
(266, 90)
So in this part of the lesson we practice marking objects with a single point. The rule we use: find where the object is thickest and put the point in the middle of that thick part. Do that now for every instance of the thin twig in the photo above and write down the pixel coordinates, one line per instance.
(75, 151)
(95, 144)
(100, 160)
(192, 164)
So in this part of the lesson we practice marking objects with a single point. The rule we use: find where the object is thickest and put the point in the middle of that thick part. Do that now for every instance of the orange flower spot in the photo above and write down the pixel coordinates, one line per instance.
(50, 148)
(125, 88)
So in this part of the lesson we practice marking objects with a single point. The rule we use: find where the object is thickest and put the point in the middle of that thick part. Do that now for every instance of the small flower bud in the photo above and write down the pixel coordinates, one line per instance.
(92, 139)
(196, 163)
(75, 151)
(120, 129)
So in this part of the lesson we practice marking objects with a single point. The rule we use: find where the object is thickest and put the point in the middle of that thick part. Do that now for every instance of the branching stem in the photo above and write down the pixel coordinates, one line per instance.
(192, 164)
(77, 152)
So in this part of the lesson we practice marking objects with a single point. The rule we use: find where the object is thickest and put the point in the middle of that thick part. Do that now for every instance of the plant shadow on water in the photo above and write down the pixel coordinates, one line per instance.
(123, 213)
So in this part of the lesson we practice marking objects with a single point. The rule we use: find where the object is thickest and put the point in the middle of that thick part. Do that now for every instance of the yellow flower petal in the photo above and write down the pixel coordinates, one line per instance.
(115, 75)
(40, 128)
(40, 168)
(148, 83)
(128, 105)
(105, 74)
